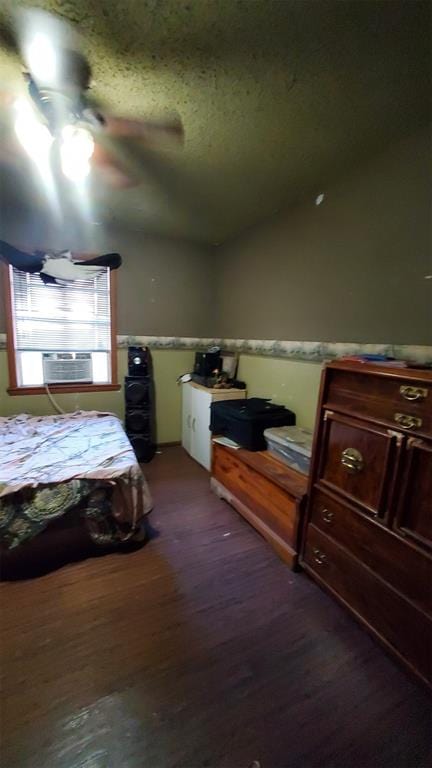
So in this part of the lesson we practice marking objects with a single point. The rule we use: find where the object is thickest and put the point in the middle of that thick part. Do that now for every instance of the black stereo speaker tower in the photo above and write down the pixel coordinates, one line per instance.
(137, 391)
(140, 404)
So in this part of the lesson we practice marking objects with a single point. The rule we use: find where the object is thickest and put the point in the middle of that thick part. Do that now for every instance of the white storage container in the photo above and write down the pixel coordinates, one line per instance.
(293, 445)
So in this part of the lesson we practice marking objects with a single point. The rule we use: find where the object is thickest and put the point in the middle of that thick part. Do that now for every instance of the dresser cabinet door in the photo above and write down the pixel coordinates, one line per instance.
(414, 518)
(357, 461)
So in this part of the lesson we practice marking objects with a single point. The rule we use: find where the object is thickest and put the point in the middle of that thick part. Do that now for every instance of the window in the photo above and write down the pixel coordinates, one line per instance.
(62, 336)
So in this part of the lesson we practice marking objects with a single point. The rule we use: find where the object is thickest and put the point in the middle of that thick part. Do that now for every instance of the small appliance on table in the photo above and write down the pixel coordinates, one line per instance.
(206, 363)
(215, 368)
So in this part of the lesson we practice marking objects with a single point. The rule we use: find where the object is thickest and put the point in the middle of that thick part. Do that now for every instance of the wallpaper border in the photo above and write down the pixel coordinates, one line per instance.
(312, 351)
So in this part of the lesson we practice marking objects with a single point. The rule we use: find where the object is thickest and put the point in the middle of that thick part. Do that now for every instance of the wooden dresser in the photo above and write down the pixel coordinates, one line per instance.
(267, 493)
(368, 527)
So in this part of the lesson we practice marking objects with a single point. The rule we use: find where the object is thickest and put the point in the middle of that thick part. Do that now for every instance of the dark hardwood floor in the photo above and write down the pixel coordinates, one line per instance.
(200, 649)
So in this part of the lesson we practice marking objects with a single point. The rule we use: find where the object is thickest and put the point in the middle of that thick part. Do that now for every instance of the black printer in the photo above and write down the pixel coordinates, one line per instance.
(244, 421)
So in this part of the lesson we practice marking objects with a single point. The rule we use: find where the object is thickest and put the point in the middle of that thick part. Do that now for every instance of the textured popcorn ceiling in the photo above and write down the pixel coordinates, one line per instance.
(277, 98)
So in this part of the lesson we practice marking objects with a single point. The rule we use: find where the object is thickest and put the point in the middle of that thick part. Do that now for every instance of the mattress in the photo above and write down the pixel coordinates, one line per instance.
(83, 460)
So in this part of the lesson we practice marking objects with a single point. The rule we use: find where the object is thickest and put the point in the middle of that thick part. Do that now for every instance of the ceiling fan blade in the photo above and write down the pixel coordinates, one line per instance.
(111, 168)
(127, 163)
(151, 132)
(146, 165)
(125, 148)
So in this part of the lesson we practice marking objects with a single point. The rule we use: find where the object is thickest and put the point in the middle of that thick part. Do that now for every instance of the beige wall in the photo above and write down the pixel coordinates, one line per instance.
(167, 364)
(351, 269)
(287, 382)
(165, 287)
(291, 383)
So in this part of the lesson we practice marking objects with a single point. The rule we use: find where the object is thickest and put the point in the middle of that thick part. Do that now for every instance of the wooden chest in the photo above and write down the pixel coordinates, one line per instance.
(267, 493)
(368, 528)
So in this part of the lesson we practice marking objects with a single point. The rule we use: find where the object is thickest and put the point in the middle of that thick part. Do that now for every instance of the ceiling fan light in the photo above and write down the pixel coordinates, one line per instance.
(75, 171)
(42, 59)
(76, 149)
(33, 135)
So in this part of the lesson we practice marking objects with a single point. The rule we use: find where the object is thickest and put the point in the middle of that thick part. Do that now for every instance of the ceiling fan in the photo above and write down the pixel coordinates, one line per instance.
(59, 124)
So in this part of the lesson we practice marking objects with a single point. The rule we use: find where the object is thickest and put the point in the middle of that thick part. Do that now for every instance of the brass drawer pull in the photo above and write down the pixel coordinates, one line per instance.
(327, 515)
(352, 460)
(407, 422)
(413, 393)
(319, 557)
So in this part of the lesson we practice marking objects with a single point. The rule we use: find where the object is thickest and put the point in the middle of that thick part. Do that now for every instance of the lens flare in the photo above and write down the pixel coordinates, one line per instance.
(76, 149)
(42, 59)
(32, 134)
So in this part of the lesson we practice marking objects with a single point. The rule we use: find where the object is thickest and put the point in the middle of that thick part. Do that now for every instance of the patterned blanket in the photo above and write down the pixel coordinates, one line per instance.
(49, 464)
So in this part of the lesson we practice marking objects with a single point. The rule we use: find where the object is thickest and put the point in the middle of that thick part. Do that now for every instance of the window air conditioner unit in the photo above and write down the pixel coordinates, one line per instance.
(67, 367)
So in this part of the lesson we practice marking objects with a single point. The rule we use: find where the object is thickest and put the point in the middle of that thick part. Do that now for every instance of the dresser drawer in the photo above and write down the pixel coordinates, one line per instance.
(397, 622)
(405, 567)
(357, 461)
(400, 403)
(265, 499)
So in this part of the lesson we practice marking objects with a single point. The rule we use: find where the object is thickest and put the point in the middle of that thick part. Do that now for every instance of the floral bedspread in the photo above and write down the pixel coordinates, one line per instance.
(50, 464)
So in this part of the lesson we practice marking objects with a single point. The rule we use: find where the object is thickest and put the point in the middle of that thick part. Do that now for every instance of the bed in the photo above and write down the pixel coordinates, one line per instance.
(77, 466)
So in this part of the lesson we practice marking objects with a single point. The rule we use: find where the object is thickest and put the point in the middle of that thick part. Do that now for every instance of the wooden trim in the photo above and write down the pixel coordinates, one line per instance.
(58, 389)
(113, 316)
(315, 458)
(10, 333)
(384, 371)
(14, 389)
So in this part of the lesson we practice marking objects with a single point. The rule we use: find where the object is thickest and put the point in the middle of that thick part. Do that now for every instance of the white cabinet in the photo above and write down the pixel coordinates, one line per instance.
(187, 417)
(196, 435)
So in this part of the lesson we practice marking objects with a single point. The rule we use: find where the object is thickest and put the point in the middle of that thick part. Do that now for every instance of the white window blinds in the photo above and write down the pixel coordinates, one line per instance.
(73, 318)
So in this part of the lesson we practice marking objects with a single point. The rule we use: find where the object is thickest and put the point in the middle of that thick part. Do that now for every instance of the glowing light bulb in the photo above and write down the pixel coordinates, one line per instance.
(32, 134)
(42, 59)
(76, 149)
